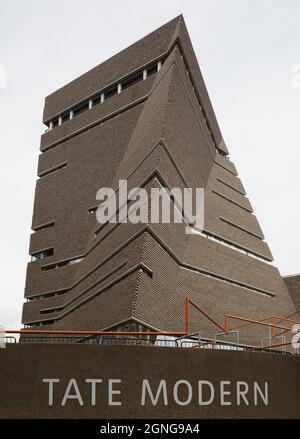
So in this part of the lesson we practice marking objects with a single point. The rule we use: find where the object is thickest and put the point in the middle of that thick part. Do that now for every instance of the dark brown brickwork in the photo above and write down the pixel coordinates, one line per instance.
(160, 131)
(293, 284)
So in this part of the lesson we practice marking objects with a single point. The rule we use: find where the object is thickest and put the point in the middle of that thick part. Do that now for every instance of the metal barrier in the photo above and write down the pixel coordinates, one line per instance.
(165, 338)
(282, 337)
(226, 333)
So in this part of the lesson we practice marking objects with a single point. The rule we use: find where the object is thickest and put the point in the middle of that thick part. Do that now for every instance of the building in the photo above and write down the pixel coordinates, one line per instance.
(145, 116)
(293, 285)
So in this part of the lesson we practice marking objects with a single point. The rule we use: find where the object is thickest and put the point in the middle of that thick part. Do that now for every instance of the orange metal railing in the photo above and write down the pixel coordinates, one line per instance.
(227, 317)
(188, 303)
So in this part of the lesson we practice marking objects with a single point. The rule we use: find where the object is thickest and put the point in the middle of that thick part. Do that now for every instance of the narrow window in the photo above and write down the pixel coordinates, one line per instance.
(96, 100)
(152, 69)
(43, 254)
(65, 117)
(81, 108)
(111, 92)
(133, 79)
(55, 123)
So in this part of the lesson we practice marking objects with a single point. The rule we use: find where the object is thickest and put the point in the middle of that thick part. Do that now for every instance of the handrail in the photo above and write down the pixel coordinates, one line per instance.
(281, 319)
(47, 332)
(248, 324)
(244, 319)
(188, 302)
(205, 313)
(277, 345)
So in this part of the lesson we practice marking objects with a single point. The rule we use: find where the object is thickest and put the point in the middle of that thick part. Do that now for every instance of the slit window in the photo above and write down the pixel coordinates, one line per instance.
(50, 310)
(132, 80)
(111, 92)
(47, 295)
(65, 117)
(43, 254)
(152, 69)
(96, 100)
(61, 264)
(81, 108)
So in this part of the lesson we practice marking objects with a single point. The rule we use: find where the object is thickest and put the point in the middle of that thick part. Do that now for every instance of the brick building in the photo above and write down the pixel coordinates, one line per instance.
(143, 115)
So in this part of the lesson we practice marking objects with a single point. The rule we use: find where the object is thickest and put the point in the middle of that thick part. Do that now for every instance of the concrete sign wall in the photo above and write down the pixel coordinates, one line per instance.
(94, 381)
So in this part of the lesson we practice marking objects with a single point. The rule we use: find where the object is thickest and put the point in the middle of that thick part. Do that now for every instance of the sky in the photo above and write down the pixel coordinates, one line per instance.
(249, 54)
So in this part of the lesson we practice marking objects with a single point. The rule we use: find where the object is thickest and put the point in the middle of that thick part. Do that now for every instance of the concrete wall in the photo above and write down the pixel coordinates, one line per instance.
(273, 381)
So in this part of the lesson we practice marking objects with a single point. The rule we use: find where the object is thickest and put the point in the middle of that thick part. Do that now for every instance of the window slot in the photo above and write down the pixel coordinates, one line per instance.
(81, 108)
(50, 310)
(111, 92)
(97, 100)
(61, 264)
(65, 117)
(42, 254)
(47, 295)
(152, 69)
(132, 80)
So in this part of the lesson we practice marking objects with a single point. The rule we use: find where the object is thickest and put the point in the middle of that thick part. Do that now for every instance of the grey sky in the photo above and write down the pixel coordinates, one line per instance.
(246, 50)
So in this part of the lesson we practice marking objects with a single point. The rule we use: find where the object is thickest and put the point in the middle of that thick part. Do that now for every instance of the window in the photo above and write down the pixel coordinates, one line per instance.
(43, 254)
(65, 117)
(75, 261)
(111, 92)
(61, 264)
(132, 80)
(152, 69)
(96, 100)
(47, 295)
(50, 310)
(81, 108)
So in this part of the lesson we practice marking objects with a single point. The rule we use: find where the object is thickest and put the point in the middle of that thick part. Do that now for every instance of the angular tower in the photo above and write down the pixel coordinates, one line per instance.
(143, 116)
(293, 285)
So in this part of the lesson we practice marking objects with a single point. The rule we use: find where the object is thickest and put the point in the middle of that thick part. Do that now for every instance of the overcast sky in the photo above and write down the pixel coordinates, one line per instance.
(247, 50)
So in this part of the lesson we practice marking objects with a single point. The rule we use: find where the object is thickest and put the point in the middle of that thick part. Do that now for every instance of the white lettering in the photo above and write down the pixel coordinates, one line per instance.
(68, 395)
(264, 396)
(112, 392)
(161, 388)
(190, 392)
(224, 392)
(200, 391)
(50, 381)
(241, 393)
(93, 382)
